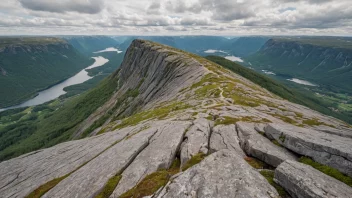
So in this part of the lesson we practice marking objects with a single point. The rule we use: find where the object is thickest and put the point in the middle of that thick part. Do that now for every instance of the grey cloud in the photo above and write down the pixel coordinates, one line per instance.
(194, 21)
(62, 6)
(154, 8)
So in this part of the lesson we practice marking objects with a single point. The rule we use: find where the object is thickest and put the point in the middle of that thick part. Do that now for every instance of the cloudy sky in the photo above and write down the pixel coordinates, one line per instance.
(176, 17)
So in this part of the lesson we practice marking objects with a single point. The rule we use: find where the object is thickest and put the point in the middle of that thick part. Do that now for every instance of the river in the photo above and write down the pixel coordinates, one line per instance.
(58, 90)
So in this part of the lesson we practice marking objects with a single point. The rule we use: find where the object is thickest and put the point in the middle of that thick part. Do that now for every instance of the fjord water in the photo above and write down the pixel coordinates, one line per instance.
(58, 90)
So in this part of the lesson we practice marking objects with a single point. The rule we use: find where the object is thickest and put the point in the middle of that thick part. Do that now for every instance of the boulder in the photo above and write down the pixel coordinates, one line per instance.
(303, 181)
(91, 178)
(22, 175)
(325, 148)
(260, 147)
(159, 154)
(225, 137)
(196, 139)
(222, 174)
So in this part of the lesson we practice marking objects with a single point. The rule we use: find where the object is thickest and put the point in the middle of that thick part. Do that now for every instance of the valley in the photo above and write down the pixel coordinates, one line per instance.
(177, 123)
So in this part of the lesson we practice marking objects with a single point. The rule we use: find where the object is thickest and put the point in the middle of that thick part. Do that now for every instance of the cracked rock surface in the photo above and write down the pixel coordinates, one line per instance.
(328, 149)
(219, 176)
(159, 154)
(196, 139)
(260, 147)
(22, 175)
(225, 137)
(91, 178)
(303, 181)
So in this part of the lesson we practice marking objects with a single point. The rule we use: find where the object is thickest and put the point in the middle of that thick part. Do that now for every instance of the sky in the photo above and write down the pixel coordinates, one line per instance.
(176, 17)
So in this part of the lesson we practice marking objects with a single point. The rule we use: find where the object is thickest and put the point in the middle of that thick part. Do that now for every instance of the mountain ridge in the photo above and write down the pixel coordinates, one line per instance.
(174, 109)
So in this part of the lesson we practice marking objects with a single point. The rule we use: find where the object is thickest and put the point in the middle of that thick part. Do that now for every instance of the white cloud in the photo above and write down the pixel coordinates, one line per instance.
(216, 17)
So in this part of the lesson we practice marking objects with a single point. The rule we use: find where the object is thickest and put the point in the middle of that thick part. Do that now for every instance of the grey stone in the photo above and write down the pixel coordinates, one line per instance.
(222, 174)
(325, 148)
(91, 178)
(303, 181)
(225, 137)
(158, 155)
(258, 146)
(196, 139)
(22, 175)
(344, 132)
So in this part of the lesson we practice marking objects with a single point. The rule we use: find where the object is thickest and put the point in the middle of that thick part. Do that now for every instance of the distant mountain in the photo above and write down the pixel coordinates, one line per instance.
(89, 44)
(245, 46)
(323, 60)
(194, 44)
(29, 64)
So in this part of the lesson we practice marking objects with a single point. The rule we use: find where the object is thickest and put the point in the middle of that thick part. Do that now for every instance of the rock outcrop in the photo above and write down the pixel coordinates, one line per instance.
(328, 149)
(171, 106)
(219, 176)
(196, 140)
(225, 137)
(22, 175)
(90, 179)
(158, 155)
(257, 146)
(303, 181)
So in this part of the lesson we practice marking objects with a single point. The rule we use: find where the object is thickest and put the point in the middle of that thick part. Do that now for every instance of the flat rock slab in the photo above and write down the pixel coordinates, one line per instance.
(221, 175)
(260, 147)
(91, 178)
(344, 132)
(325, 148)
(159, 154)
(225, 137)
(303, 181)
(197, 139)
(22, 175)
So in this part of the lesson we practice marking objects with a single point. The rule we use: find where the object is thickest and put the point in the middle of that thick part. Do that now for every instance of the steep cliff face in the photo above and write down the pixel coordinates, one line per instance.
(30, 64)
(314, 60)
(181, 126)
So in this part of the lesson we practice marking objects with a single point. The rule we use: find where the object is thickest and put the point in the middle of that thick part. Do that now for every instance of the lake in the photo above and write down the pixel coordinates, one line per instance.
(58, 90)
(302, 82)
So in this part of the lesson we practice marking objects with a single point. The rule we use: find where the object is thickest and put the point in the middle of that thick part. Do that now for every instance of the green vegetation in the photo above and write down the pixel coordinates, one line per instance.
(193, 161)
(305, 98)
(282, 138)
(41, 190)
(109, 187)
(276, 143)
(158, 112)
(269, 175)
(327, 170)
(151, 183)
(25, 72)
(257, 164)
(49, 124)
(226, 120)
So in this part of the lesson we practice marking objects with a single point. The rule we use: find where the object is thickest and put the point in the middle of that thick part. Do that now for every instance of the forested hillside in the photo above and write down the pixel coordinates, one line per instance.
(31, 64)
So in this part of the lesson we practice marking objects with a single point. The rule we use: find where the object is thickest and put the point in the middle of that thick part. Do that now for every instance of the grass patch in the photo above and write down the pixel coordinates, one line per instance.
(109, 187)
(269, 175)
(316, 122)
(153, 182)
(327, 170)
(276, 143)
(257, 164)
(226, 120)
(41, 190)
(159, 113)
(282, 138)
(193, 161)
